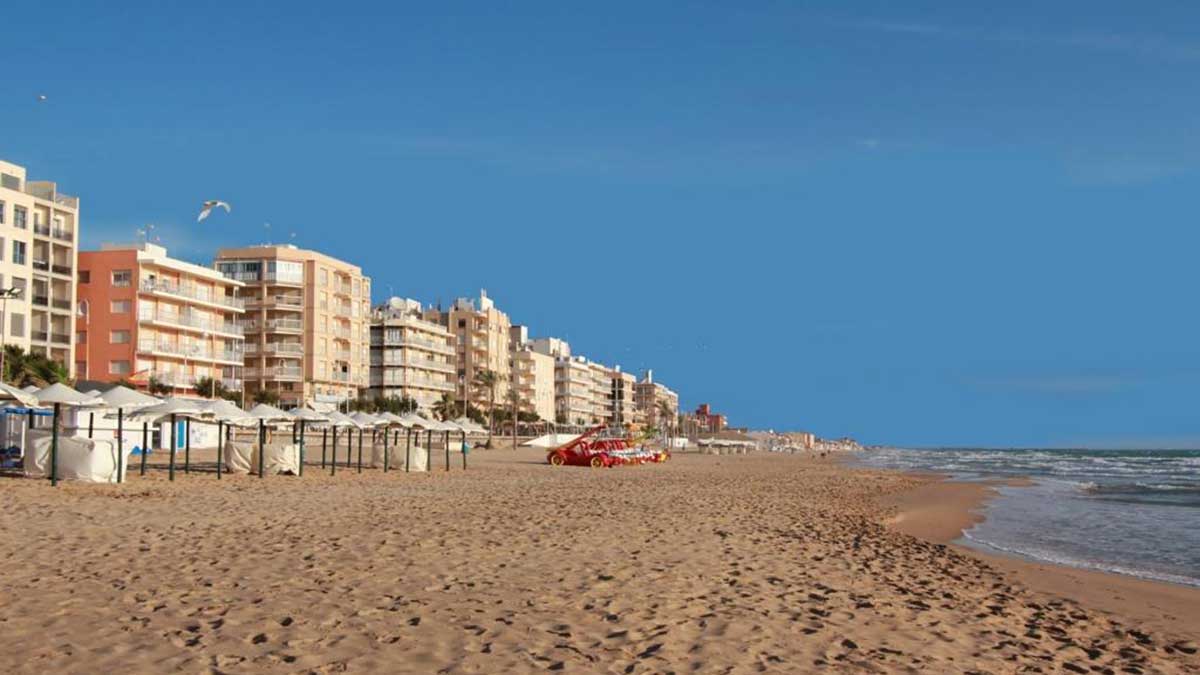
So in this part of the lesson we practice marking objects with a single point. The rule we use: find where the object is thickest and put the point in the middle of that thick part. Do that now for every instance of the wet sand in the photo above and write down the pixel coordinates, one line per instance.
(704, 564)
(939, 511)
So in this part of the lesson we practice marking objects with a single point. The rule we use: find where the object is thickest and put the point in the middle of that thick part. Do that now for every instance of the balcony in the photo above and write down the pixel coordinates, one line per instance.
(39, 336)
(340, 377)
(64, 270)
(42, 265)
(285, 325)
(189, 321)
(194, 352)
(291, 303)
(282, 348)
(61, 304)
(41, 229)
(60, 338)
(41, 300)
(190, 292)
(284, 373)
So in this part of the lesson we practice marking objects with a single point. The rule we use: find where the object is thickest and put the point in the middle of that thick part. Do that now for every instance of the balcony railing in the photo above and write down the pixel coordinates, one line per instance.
(41, 300)
(42, 265)
(189, 291)
(189, 321)
(294, 348)
(61, 269)
(61, 304)
(285, 325)
(39, 336)
(194, 352)
(60, 338)
(42, 229)
(276, 373)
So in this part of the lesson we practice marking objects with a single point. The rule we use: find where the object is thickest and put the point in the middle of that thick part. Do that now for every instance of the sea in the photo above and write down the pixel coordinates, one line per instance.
(1133, 512)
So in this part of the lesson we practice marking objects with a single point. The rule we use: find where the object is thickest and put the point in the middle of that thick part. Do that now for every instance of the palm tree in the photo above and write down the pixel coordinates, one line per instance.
(23, 369)
(489, 379)
(665, 415)
(445, 408)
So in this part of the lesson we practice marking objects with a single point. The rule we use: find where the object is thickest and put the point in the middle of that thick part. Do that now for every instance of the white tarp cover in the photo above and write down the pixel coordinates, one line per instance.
(550, 441)
(418, 458)
(89, 461)
(237, 456)
(242, 457)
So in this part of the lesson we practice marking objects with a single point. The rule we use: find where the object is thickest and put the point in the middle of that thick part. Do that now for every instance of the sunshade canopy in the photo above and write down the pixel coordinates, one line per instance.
(126, 398)
(180, 407)
(61, 393)
(11, 393)
(269, 414)
(308, 415)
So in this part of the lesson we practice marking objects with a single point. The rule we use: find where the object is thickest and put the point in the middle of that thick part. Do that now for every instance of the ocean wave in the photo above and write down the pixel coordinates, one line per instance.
(1058, 559)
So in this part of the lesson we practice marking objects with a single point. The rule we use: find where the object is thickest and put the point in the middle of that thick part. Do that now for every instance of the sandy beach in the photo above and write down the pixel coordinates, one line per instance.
(750, 563)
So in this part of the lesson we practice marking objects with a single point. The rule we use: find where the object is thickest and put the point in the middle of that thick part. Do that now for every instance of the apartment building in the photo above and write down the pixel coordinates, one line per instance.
(410, 357)
(39, 231)
(648, 394)
(482, 342)
(144, 316)
(306, 323)
(621, 403)
(532, 376)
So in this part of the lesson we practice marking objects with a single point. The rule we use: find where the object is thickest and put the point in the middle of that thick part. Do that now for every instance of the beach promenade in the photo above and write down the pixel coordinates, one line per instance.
(750, 563)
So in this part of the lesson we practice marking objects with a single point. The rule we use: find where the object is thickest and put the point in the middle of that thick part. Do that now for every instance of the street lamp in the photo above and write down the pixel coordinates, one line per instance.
(5, 294)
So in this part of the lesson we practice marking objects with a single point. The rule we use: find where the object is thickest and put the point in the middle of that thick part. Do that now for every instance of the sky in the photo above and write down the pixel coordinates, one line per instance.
(912, 223)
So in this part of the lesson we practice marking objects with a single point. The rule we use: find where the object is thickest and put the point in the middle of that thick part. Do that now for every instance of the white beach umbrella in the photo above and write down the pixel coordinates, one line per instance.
(58, 395)
(366, 420)
(469, 425)
(22, 396)
(269, 414)
(175, 409)
(123, 398)
(30, 389)
(227, 412)
(306, 416)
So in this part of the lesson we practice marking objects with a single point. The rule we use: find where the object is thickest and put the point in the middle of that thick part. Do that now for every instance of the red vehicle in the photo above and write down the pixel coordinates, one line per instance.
(596, 452)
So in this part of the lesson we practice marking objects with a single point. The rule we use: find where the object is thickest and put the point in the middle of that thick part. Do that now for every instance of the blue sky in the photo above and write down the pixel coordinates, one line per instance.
(914, 223)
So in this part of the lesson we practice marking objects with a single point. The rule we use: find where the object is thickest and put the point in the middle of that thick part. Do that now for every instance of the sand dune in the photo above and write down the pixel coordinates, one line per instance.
(705, 564)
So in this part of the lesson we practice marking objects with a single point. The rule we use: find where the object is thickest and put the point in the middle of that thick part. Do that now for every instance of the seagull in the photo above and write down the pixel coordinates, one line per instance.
(208, 206)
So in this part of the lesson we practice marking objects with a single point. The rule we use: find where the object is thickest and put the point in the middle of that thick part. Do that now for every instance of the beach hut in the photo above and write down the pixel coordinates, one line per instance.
(176, 409)
(306, 416)
(86, 463)
(123, 398)
(284, 458)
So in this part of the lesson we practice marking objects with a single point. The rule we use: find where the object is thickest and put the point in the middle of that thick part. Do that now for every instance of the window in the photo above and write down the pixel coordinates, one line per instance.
(19, 215)
(324, 277)
(1, 213)
(119, 368)
(121, 278)
(18, 252)
(18, 325)
(118, 337)
(85, 276)
(119, 307)
(19, 284)
(81, 337)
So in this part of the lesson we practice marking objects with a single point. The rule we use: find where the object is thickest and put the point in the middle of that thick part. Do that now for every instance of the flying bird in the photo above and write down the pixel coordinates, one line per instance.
(208, 206)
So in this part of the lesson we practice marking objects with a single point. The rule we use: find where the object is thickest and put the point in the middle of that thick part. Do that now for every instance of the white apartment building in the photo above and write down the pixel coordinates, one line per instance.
(39, 234)
(410, 357)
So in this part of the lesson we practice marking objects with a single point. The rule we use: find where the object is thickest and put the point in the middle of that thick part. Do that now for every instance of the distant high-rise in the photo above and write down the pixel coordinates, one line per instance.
(482, 342)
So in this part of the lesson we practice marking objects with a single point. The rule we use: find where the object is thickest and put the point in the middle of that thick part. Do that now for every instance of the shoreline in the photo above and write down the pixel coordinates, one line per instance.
(941, 510)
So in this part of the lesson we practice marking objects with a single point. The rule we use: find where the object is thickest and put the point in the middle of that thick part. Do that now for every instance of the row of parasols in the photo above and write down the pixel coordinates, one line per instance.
(128, 406)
